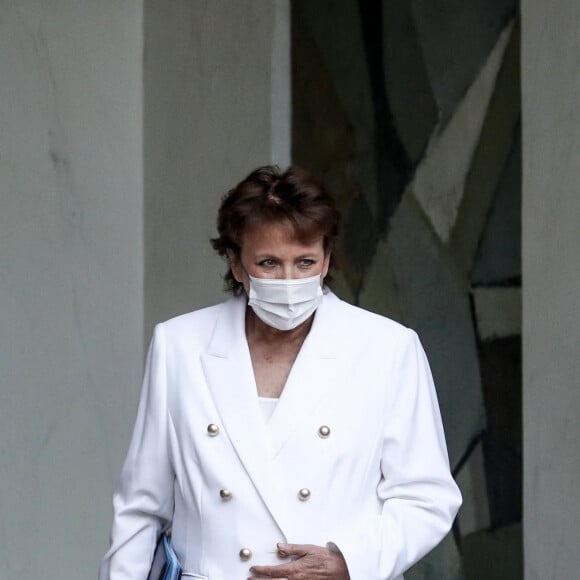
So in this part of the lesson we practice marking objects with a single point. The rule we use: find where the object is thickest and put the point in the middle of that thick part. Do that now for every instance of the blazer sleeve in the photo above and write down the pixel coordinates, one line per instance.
(419, 496)
(143, 499)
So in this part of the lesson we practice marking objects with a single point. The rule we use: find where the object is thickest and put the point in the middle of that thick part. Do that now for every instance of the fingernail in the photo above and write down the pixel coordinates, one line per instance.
(281, 545)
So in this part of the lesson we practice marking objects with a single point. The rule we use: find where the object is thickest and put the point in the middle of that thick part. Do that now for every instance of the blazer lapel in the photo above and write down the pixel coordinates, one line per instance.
(311, 379)
(228, 369)
(230, 377)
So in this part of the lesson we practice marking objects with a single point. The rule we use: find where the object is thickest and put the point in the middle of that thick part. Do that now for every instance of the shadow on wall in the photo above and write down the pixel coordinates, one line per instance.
(410, 112)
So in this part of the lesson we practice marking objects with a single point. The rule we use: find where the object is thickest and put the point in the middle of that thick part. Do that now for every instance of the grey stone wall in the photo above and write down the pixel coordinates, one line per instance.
(551, 243)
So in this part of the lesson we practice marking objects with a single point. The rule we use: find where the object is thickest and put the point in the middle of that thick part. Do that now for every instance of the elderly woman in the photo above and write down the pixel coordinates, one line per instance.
(283, 433)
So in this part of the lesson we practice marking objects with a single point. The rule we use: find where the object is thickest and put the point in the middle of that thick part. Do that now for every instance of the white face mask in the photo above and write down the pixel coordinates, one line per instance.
(285, 303)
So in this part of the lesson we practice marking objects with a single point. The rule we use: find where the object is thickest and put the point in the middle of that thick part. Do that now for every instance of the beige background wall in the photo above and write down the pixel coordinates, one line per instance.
(71, 269)
(121, 123)
(551, 246)
(214, 110)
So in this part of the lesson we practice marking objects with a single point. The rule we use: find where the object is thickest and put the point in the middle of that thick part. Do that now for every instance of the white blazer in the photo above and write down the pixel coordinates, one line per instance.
(377, 486)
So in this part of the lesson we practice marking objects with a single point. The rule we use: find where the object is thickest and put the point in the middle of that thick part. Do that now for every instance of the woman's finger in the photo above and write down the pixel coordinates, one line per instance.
(285, 550)
(312, 562)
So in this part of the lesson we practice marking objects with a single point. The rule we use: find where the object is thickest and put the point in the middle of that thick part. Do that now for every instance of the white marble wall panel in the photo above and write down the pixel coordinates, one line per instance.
(498, 311)
(456, 37)
(439, 181)
(434, 301)
(70, 275)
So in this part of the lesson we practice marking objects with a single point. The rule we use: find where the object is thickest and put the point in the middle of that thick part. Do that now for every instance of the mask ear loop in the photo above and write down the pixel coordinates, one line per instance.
(245, 271)
(248, 276)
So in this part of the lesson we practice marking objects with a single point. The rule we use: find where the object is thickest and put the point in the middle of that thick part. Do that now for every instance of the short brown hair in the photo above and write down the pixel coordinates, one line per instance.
(267, 195)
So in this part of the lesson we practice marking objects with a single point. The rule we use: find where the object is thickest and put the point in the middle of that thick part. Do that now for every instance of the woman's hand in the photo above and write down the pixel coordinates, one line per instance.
(310, 563)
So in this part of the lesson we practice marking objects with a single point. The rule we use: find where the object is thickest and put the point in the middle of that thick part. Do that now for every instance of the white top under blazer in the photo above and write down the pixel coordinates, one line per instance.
(353, 457)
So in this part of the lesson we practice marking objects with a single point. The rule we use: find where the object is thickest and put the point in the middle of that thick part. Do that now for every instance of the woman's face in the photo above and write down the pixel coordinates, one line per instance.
(272, 251)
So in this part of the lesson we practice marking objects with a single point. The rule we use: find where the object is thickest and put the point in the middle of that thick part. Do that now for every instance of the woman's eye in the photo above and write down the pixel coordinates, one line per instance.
(306, 263)
(267, 263)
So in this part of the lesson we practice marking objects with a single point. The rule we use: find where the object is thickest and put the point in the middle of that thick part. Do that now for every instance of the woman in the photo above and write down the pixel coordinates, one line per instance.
(283, 433)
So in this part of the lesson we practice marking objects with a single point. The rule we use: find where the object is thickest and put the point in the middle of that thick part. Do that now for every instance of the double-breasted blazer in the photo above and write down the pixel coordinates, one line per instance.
(353, 457)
